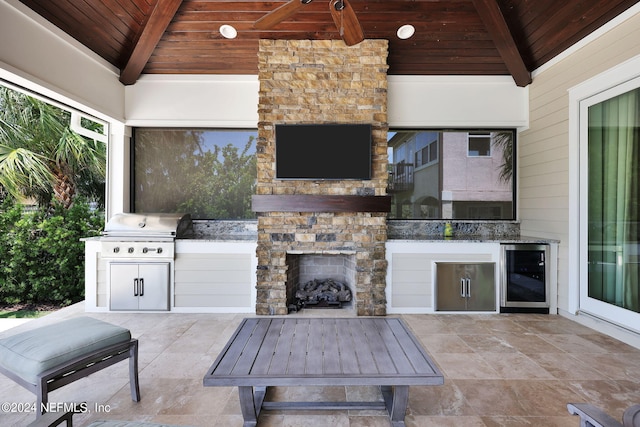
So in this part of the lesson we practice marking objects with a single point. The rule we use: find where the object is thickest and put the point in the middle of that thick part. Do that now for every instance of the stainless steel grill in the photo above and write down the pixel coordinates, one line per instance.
(147, 226)
(139, 250)
(130, 235)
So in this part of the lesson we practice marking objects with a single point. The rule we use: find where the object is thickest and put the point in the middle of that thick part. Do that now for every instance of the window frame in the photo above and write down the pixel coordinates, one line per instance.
(478, 135)
(586, 303)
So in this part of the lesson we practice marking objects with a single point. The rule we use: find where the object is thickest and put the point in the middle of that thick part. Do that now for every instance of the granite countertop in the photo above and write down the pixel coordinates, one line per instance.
(219, 238)
(417, 238)
(440, 239)
(478, 239)
(454, 239)
(504, 232)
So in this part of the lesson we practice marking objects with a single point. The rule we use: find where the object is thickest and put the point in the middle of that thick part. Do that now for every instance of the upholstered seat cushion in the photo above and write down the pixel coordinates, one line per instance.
(30, 353)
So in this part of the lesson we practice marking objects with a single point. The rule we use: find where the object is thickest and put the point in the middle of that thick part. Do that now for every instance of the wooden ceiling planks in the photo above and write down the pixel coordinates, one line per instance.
(452, 36)
(147, 39)
(544, 28)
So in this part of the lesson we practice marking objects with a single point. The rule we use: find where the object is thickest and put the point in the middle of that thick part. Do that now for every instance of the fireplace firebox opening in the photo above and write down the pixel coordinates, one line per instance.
(320, 280)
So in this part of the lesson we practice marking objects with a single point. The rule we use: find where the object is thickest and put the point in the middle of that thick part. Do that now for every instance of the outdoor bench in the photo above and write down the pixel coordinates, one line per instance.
(52, 356)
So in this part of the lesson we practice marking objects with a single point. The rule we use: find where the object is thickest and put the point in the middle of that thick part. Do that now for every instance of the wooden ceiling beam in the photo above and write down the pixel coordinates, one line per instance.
(148, 39)
(493, 19)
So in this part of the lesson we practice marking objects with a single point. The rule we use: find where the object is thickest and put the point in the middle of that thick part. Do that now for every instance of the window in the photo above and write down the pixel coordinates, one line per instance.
(454, 174)
(209, 173)
(479, 144)
(427, 148)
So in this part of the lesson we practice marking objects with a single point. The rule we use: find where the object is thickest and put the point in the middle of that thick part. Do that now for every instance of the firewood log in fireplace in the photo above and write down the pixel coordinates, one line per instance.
(328, 290)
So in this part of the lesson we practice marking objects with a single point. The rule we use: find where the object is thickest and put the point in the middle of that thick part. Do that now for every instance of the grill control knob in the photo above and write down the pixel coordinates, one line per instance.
(116, 250)
(156, 250)
(130, 250)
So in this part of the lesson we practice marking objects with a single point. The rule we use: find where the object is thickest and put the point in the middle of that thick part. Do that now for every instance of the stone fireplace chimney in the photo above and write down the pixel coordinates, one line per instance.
(315, 82)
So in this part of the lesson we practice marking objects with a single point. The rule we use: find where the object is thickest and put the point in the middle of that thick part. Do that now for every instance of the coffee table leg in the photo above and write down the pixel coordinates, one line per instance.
(247, 405)
(396, 399)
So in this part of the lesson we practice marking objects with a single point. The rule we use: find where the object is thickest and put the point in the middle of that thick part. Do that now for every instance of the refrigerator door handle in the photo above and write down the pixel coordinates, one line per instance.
(463, 291)
(135, 287)
(141, 287)
(468, 288)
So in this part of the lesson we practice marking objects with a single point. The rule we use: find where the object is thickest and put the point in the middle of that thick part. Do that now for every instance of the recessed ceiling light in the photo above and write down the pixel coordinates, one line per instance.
(228, 32)
(406, 31)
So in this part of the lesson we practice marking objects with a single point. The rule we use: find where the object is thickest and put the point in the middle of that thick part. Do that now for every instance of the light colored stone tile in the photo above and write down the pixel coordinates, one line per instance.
(530, 421)
(515, 366)
(464, 365)
(488, 343)
(446, 400)
(500, 370)
(179, 365)
(444, 343)
(491, 397)
(573, 343)
(444, 421)
(566, 366)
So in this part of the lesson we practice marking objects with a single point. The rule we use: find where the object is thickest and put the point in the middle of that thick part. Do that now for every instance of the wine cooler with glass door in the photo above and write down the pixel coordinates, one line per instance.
(524, 278)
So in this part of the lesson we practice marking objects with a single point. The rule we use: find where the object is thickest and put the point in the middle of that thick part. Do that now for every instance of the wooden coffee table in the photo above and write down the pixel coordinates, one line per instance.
(298, 351)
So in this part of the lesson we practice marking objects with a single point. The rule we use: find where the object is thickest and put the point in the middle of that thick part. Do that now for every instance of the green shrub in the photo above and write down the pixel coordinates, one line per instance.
(41, 255)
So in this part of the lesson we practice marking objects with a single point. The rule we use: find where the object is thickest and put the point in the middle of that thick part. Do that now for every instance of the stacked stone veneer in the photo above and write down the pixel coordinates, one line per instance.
(313, 82)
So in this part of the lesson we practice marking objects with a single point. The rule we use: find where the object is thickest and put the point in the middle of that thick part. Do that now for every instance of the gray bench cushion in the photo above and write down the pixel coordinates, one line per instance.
(29, 353)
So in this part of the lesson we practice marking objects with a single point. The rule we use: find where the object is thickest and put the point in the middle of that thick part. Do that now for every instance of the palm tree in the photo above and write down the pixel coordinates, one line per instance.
(504, 139)
(40, 156)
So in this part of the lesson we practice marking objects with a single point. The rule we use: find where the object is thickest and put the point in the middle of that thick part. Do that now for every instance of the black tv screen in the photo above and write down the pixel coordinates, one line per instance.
(323, 151)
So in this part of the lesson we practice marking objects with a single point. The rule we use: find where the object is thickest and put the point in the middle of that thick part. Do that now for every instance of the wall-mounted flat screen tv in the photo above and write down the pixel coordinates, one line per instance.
(323, 151)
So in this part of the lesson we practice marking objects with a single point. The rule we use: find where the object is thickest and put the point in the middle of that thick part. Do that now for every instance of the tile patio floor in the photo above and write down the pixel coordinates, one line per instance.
(500, 370)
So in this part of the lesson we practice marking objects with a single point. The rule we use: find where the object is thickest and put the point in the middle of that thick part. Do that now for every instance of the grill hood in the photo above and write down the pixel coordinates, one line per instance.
(148, 225)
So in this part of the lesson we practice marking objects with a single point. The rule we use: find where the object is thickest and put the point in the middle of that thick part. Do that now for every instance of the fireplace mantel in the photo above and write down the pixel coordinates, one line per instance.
(320, 203)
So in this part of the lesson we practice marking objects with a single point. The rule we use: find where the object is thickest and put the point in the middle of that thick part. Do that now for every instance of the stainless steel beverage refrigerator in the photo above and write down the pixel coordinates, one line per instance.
(525, 278)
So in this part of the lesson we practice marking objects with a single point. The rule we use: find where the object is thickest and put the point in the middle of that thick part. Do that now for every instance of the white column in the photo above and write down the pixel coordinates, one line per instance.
(118, 170)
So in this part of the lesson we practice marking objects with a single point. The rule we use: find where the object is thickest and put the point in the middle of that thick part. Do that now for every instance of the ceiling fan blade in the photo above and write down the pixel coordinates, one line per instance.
(347, 22)
(279, 14)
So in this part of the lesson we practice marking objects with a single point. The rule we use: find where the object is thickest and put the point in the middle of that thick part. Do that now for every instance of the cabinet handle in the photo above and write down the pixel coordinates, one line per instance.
(135, 287)
(463, 292)
(468, 288)
(141, 287)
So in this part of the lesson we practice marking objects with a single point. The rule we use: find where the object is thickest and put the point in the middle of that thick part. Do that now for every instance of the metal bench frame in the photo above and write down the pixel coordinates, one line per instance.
(81, 367)
(592, 416)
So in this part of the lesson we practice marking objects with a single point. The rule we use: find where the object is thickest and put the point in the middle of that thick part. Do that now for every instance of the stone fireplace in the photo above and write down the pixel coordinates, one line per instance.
(314, 82)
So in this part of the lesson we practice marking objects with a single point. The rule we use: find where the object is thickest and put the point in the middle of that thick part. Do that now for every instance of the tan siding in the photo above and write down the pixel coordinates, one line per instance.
(207, 262)
(411, 278)
(553, 189)
(211, 301)
(211, 275)
(212, 280)
(543, 163)
(101, 285)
